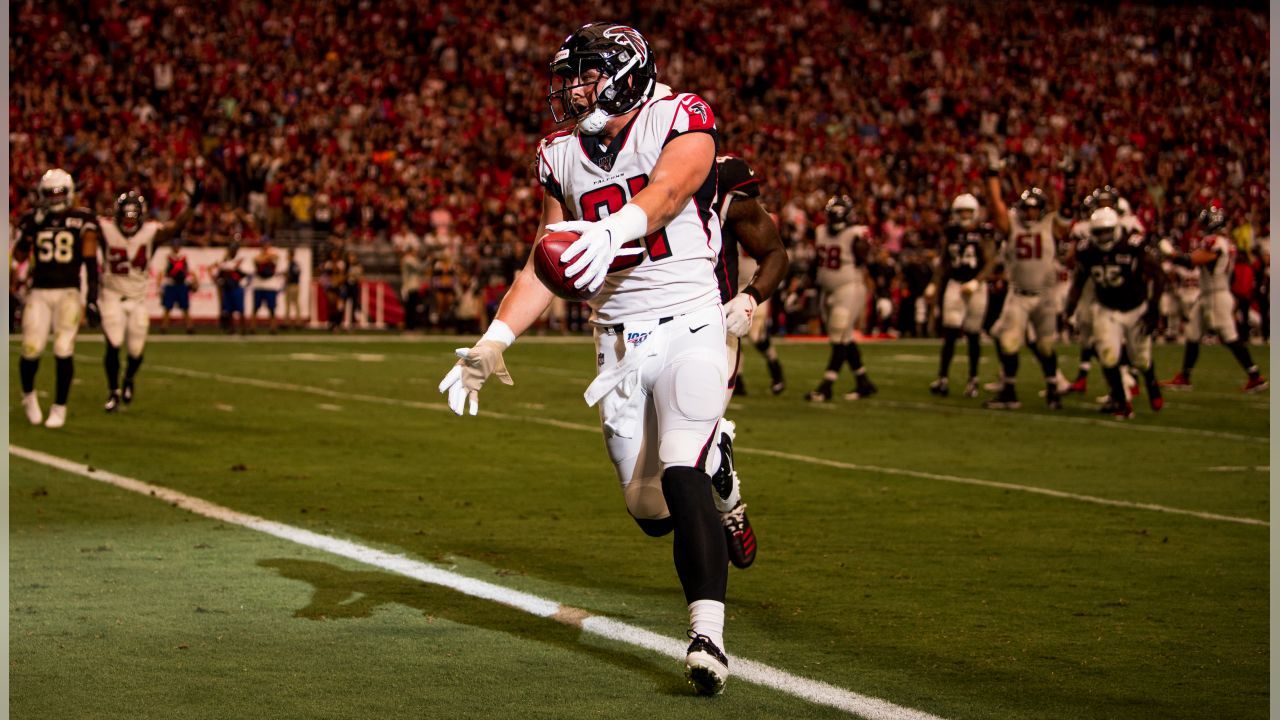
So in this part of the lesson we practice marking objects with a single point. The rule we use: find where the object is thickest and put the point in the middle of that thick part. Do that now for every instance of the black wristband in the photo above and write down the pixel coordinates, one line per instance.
(749, 290)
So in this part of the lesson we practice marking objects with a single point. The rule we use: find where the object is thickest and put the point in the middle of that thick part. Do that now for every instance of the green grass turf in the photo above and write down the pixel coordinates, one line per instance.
(967, 602)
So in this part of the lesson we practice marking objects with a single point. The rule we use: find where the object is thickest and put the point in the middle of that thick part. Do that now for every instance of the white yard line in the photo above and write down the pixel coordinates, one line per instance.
(1004, 486)
(1070, 420)
(753, 672)
(441, 407)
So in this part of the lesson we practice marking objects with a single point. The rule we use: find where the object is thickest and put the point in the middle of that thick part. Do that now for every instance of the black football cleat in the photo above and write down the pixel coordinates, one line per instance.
(864, 389)
(940, 387)
(113, 402)
(126, 392)
(1051, 397)
(819, 396)
(1007, 399)
(705, 665)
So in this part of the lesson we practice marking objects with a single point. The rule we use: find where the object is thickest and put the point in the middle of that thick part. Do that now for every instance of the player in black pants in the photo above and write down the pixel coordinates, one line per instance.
(58, 238)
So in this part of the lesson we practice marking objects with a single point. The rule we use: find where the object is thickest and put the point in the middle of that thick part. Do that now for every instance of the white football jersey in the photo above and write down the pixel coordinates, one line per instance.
(837, 265)
(128, 257)
(676, 274)
(1217, 275)
(1188, 278)
(1030, 255)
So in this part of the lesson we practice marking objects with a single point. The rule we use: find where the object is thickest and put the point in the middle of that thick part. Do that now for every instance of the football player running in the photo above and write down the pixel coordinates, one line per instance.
(1030, 259)
(745, 224)
(130, 240)
(1128, 283)
(967, 261)
(635, 177)
(842, 277)
(1214, 307)
(1102, 197)
(60, 238)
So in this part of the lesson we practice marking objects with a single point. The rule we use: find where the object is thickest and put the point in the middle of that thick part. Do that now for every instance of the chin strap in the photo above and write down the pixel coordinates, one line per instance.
(594, 122)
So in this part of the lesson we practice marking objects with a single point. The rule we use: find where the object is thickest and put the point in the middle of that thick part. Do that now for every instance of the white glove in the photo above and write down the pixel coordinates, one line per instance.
(1167, 248)
(930, 291)
(474, 366)
(737, 314)
(600, 243)
(969, 288)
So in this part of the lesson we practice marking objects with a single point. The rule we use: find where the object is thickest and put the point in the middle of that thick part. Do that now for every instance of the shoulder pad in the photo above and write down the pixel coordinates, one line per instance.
(734, 175)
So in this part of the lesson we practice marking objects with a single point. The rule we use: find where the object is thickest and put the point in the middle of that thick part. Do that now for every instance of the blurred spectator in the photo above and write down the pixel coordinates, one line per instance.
(351, 288)
(376, 117)
(411, 287)
(292, 292)
(267, 282)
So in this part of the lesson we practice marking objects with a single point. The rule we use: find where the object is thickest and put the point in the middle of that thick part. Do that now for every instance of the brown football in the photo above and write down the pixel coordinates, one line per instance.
(546, 263)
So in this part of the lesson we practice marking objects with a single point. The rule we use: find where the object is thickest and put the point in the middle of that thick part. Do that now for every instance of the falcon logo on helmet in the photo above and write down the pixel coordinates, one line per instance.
(56, 191)
(628, 36)
(626, 76)
(131, 212)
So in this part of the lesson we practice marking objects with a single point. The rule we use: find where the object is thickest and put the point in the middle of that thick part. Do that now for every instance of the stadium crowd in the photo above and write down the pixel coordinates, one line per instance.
(413, 126)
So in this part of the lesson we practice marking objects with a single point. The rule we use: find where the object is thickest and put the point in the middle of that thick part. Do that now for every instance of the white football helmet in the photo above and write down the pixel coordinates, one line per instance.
(1104, 228)
(56, 190)
(964, 211)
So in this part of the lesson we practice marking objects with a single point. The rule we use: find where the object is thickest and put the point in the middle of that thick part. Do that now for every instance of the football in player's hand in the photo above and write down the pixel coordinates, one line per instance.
(546, 263)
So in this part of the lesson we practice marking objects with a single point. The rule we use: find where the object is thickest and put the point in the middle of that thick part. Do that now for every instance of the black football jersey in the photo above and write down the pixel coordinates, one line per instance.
(964, 250)
(734, 179)
(55, 244)
(1118, 277)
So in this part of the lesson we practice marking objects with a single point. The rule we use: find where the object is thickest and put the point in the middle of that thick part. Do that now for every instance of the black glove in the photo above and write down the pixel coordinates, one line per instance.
(93, 314)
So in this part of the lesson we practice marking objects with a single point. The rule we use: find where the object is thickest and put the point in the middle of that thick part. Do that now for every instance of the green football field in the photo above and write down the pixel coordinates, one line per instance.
(338, 545)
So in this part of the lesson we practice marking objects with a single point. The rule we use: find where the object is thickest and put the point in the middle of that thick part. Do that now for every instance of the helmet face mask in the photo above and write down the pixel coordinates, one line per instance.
(1031, 205)
(1104, 228)
(600, 71)
(1211, 220)
(964, 211)
(839, 210)
(131, 212)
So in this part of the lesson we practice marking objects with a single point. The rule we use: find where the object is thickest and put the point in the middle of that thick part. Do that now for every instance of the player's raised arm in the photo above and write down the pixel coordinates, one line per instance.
(172, 229)
(999, 211)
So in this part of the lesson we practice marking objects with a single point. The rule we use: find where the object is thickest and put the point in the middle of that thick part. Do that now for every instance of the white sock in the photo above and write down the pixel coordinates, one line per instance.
(706, 617)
